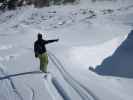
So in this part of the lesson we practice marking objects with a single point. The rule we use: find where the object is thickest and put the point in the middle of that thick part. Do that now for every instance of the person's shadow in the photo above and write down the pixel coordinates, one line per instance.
(20, 74)
(120, 64)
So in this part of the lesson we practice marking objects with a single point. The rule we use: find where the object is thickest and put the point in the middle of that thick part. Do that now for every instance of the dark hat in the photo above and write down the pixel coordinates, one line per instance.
(39, 36)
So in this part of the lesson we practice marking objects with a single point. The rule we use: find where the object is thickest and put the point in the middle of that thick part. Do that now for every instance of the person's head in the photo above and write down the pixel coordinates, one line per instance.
(39, 36)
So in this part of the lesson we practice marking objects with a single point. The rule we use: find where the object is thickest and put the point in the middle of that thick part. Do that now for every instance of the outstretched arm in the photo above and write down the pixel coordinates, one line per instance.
(51, 41)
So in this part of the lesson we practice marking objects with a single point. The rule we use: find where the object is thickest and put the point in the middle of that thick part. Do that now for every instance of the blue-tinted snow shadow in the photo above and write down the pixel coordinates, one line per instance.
(20, 74)
(120, 64)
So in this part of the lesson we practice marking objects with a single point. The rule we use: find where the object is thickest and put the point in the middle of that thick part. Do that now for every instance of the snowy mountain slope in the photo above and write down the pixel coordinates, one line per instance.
(87, 36)
(120, 63)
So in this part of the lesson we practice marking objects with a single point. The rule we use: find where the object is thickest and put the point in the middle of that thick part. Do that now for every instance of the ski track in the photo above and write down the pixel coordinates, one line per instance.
(12, 85)
(49, 86)
(33, 93)
(82, 95)
(48, 89)
(60, 89)
(84, 92)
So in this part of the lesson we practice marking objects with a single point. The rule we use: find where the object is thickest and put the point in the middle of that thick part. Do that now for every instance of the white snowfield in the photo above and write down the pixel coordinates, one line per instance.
(89, 34)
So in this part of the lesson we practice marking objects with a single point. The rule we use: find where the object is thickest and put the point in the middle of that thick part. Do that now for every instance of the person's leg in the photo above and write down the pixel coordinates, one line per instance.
(41, 62)
(45, 62)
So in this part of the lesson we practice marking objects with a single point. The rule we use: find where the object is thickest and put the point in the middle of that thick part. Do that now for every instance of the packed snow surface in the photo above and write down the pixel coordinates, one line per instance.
(90, 35)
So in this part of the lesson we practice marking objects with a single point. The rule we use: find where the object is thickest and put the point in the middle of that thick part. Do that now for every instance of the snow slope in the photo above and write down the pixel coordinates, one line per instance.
(120, 63)
(88, 34)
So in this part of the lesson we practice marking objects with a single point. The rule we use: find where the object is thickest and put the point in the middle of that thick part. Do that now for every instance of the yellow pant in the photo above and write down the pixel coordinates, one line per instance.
(43, 62)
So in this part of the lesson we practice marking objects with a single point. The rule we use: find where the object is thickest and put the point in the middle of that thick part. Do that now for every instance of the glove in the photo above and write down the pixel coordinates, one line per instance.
(36, 55)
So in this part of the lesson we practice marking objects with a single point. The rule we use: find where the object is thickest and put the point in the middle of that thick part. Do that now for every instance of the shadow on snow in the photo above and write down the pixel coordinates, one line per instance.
(120, 64)
(20, 74)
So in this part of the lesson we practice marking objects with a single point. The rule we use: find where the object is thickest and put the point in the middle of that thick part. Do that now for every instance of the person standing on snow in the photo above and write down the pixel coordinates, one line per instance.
(41, 52)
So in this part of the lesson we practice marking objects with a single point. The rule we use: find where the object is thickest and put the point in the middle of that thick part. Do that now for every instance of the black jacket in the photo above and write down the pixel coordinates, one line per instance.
(39, 46)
